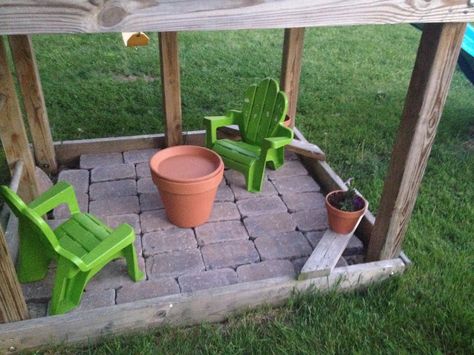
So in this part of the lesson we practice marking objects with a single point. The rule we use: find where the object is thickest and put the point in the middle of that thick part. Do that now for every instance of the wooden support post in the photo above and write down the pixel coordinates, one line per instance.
(33, 99)
(12, 131)
(434, 67)
(169, 64)
(12, 303)
(291, 67)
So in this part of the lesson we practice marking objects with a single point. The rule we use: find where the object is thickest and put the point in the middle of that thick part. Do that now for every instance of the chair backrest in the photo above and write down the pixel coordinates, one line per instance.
(265, 106)
(29, 220)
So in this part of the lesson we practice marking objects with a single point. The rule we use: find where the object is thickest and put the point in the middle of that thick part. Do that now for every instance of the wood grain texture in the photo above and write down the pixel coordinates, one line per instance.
(293, 44)
(325, 256)
(171, 87)
(12, 303)
(12, 130)
(33, 100)
(69, 16)
(211, 305)
(434, 67)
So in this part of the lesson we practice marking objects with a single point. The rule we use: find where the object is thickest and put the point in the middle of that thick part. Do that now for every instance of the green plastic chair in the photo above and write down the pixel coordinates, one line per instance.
(263, 134)
(81, 246)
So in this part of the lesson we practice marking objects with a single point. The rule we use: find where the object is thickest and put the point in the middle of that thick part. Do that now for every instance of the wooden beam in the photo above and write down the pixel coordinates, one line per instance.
(71, 16)
(33, 100)
(434, 67)
(213, 305)
(12, 130)
(12, 303)
(135, 39)
(170, 80)
(291, 67)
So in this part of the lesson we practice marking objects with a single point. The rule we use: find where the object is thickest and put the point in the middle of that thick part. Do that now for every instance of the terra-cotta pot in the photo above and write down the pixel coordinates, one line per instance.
(287, 121)
(343, 222)
(187, 178)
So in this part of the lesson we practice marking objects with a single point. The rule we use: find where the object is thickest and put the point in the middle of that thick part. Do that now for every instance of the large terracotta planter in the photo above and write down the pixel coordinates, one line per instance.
(343, 222)
(187, 177)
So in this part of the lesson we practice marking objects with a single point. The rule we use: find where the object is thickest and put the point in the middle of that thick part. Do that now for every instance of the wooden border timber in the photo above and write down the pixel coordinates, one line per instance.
(291, 67)
(211, 305)
(171, 87)
(12, 130)
(436, 61)
(71, 16)
(33, 100)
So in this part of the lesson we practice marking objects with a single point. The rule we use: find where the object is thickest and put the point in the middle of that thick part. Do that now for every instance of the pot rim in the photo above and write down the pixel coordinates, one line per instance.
(332, 208)
(154, 162)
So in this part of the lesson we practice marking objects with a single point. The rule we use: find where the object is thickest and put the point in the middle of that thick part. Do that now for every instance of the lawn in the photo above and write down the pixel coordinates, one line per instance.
(353, 86)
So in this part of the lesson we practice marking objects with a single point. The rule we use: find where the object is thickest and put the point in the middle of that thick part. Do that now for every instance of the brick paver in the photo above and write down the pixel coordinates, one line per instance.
(132, 219)
(37, 309)
(224, 211)
(138, 156)
(287, 245)
(229, 254)
(261, 206)
(114, 206)
(207, 279)
(237, 184)
(113, 275)
(169, 240)
(224, 194)
(63, 211)
(146, 186)
(265, 270)
(113, 172)
(116, 188)
(272, 224)
(354, 247)
(147, 289)
(304, 201)
(221, 232)
(155, 220)
(296, 184)
(290, 168)
(174, 263)
(39, 291)
(150, 202)
(309, 220)
(79, 178)
(90, 161)
(96, 298)
(43, 180)
(314, 237)
(143, 170)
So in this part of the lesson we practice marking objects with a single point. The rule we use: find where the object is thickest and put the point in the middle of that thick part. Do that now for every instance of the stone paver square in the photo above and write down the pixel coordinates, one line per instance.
(169, 240)
(113, 172)
(174, 263)
(147, 289)
(261, 206)
(150, 202)
(146, 186)
(229, 254)
(143, 170)
(277, 223)
(296, 184)
(224, 211)
(207, 279)
(114, 206)
(138, 156)
(116, 188)
(62, 211)
(310, 220)
(314, 237)
(79, 178)
(155, 220)
(237, 184)
(304, 201)
(132, 219)
(221, 232)
(290, 168)
(354, 247)
(113, 275)
(287, 245)
(265, 270)
(96, 298)
(90, 161)
(224, 194)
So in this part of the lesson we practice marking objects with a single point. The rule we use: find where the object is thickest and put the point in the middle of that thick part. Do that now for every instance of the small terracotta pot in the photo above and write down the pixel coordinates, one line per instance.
(287, 122)
(187, 177)
(343, 222)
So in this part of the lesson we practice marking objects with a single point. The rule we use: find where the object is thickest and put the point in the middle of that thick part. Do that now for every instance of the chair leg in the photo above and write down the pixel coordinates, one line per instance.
(254, 177)
(133, 269)
(278, 159)
(33, 261)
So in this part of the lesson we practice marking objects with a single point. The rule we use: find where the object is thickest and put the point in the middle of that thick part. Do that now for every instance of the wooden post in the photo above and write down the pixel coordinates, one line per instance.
(12, 303)
(33, 99)
(12, 130)
(291, 67)
(169, 65)
(434, 67)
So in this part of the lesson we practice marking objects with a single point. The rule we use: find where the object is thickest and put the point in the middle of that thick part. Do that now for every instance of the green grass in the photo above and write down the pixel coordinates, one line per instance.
(353, 86)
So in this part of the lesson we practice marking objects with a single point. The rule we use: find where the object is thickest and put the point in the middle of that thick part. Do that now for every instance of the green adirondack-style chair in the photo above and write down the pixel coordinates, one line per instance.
(82, 245)
(263, 134)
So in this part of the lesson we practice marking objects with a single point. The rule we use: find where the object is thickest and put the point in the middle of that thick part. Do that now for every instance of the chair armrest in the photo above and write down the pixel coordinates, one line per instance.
(212, 123)
(284, 136)
(60, 193)
(122, 236)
